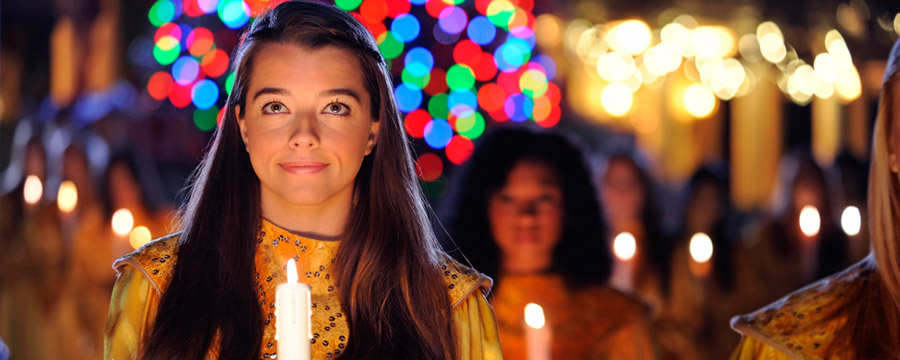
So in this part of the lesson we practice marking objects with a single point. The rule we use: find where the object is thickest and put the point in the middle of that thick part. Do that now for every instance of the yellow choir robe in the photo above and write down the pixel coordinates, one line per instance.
(804, 324)
(595, 322)
(145, 273)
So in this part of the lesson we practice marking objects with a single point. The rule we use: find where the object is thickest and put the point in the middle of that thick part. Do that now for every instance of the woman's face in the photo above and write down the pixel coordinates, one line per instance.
(622, 193)
(526, 214)
(307, 125)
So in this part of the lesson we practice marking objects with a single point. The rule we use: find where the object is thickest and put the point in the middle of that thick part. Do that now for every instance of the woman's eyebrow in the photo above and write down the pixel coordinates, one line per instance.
(274, 91)
(332, 92)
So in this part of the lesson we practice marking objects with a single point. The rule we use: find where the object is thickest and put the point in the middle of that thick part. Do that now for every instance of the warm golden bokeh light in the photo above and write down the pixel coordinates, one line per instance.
(624, 246)
(534, 316)
(616, 99)
(139, 236)
(630, 36)
(851, 220)
(810, 221)
(548, 30)
(122, 222)
(33, 190)
(699, 101)
(67, 196)
(701, 247)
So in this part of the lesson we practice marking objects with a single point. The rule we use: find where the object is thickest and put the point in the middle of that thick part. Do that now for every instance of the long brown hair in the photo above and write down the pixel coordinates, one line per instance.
(874, 327)
(387, 265)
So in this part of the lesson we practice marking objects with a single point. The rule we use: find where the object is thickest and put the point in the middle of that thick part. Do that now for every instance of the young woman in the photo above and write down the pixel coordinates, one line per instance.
(525, 212)
(627, 194)
(310, 163)
(854, 314)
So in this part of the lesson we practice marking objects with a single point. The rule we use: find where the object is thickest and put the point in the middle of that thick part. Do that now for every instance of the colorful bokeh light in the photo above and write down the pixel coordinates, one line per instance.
(458, 66)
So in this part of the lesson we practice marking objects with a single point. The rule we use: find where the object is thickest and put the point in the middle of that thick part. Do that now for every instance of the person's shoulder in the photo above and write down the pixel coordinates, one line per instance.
(461, 280)
(805, 322)
(155, 260)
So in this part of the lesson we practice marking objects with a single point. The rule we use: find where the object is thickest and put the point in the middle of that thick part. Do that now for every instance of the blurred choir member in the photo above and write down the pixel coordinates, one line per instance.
(86, 231)
(854, 314)
(131, 183)
(524, 212)
(37, 314)
(694, 322)
(802, 243)
(854, 220)
(626, 190)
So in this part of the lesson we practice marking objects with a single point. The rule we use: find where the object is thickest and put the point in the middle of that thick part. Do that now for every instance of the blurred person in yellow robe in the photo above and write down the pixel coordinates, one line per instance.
(524, 212)
(37, 307)
(854, 314)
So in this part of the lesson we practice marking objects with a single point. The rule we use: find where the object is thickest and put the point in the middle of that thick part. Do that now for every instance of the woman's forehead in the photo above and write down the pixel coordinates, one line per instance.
(291, 66)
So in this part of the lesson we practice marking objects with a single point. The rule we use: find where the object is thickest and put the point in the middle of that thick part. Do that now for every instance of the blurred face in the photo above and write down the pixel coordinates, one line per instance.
(705, 208)
(622, 193)
(307, 125)
(526, 215)
(124, 188)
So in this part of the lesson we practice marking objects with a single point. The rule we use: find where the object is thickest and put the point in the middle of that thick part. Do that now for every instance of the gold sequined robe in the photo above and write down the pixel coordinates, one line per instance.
(803, 324)
(594, 322)
(145, 274)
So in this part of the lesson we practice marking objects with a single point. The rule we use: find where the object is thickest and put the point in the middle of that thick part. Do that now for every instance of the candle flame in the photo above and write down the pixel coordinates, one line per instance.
(33, 189)
(810, 221)
(67, 197)
(851, 220)
(122, 222)
(625, 246)
(701, 247)
(534, 316)
(292, 272)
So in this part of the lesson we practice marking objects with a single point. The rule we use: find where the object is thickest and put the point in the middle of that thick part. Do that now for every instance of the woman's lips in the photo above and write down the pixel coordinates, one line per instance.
(303, 167)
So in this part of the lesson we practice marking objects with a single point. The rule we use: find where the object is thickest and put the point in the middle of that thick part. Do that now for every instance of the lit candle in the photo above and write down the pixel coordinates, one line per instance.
(32, 190)
(538, 335)
(624, 248)
(701, 249)
(293, 328)
(67, 197)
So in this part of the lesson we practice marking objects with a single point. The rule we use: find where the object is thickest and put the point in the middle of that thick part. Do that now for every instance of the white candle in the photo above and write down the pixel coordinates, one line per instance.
(538, 335)
(293, 328)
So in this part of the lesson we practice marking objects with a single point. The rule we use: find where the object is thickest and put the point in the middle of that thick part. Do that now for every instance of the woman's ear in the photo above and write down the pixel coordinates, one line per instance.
(242, 125)
(374, 130)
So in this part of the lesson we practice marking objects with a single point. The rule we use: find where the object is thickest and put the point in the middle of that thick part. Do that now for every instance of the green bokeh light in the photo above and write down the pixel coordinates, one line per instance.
(161, 12)
(437, 106)
(206, 119)
(460, 77)
(229, 83)
(419, 82)
(389, 45)
(470, 127)
(166, 57)
(348, 5)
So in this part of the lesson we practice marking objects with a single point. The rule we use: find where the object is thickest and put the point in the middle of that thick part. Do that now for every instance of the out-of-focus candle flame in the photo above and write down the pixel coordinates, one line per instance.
(810, 221)
(851, 220)
(624, 246)
(122, 222)
(33, 189)
(534, 316)
(701, 247)
(67, 197)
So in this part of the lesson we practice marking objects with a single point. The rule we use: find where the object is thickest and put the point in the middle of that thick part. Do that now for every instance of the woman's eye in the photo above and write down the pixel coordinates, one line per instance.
(274, 108)
(337, 109)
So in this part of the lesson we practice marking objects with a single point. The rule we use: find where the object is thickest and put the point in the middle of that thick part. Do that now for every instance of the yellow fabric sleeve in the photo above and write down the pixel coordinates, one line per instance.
(751, 349)
(131, 312)
(476, 328)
